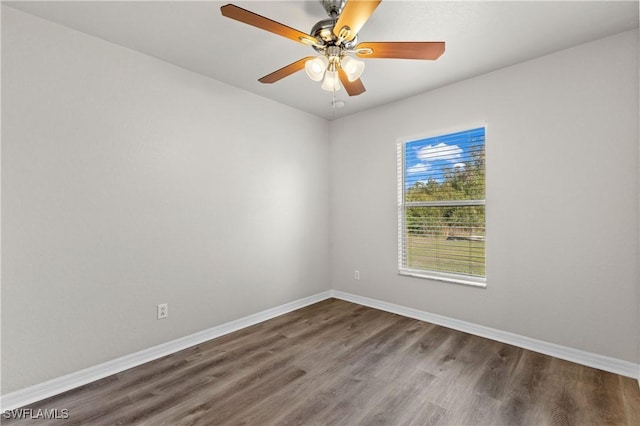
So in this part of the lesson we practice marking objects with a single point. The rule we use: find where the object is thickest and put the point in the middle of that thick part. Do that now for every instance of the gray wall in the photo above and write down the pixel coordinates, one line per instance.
(128, 182)
(562, 198)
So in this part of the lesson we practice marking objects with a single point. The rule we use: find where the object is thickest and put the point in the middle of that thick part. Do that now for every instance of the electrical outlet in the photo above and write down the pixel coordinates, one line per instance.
(356, 275)
(163, 310)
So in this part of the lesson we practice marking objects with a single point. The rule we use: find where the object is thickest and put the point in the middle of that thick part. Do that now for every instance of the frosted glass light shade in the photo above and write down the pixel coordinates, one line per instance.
(316, 67)
(331, 81)
(352, 67)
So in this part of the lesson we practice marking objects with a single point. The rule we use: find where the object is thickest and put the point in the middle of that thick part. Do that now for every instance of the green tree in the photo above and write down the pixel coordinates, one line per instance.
(458, 183)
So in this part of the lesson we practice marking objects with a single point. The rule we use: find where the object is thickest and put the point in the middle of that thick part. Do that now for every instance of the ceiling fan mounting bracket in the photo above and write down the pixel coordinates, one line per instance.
(333, 7)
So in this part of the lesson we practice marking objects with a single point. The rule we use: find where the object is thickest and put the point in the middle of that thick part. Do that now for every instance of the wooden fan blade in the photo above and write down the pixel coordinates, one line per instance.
(353, 88)
(258, 21)
(285, 71)
(428, 50)
(353, 16)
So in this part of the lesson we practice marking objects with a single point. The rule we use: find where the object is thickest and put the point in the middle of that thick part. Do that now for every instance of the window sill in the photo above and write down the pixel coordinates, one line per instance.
(479, 282)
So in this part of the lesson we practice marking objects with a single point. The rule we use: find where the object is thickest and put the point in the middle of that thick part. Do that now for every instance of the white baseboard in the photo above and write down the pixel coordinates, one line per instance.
(64, 383)
(613, 365)
(58, 385)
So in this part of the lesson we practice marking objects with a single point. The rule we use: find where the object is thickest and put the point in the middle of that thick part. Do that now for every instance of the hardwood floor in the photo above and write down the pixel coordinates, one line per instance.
(338, 363)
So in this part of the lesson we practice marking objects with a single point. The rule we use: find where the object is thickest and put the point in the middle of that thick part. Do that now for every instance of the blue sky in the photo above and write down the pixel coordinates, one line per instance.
(425, 158)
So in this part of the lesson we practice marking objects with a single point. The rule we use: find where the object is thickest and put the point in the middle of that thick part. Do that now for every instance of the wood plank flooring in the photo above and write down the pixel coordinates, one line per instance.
(338, 363)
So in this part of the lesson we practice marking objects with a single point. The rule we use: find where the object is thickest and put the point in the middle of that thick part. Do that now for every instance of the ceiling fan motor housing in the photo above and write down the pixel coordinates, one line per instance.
(323, 31)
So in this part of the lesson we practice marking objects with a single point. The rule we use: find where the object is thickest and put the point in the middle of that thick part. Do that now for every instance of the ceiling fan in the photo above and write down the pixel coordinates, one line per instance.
(334, 39)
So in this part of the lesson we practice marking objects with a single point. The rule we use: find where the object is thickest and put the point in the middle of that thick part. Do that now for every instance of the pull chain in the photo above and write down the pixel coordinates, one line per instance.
(333, 103)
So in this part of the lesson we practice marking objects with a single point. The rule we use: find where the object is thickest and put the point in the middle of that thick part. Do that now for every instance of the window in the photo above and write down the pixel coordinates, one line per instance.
(441, 207)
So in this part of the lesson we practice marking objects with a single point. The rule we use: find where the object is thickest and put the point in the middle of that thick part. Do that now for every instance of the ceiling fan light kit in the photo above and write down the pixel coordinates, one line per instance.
(352, 67)
(334, 39)
(316, 67)
(325, 67)
(331, 82)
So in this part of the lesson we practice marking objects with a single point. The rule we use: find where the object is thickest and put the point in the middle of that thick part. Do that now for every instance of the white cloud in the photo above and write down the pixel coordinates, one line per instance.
(442, 151)
(460, 165)
(418, 168)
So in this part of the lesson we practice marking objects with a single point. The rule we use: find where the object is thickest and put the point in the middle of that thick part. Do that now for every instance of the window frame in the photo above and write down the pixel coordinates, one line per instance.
(402, 206)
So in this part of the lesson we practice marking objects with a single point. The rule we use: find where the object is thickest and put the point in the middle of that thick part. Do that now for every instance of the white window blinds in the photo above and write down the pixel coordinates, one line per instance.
(441, 206)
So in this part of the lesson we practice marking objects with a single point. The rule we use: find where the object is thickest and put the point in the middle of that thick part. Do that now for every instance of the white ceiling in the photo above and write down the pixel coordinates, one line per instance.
(481, 37)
